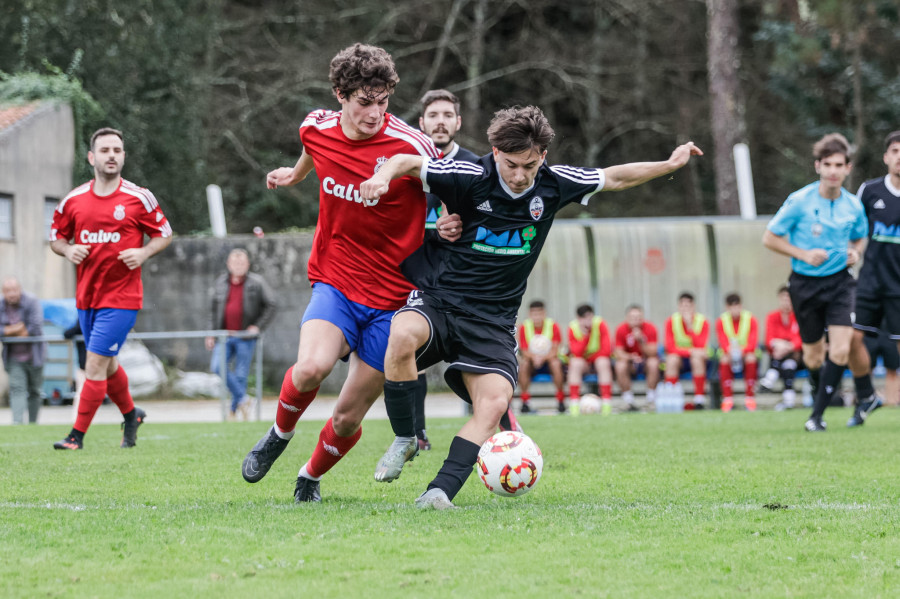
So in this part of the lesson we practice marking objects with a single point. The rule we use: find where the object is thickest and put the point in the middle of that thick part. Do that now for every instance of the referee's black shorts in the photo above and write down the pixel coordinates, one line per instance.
(466, 342)
(822, 301)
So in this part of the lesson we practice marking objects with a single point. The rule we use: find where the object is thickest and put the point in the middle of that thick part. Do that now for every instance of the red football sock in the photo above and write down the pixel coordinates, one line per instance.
(291, 403)
(574, 391)
(700, 385)
(560, 396)
(750, 370)
(526, 397)
(330, 450)
(606, 391)
(727, 379)
(672, 380)
(92, 394)
(117, 389)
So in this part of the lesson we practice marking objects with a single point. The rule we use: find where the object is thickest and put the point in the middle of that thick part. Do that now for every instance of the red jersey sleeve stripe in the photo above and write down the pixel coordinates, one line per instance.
(421, 142)
(143, 194)
(321, 119)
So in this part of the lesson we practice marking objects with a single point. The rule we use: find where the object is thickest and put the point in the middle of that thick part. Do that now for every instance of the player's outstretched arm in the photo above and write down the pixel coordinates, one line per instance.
(399, 165)
(632, 174)
(778, 243)
(287, 176)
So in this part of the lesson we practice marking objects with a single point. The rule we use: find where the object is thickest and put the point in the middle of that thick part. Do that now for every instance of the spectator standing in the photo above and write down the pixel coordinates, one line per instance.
(240, 301)
(21, 315)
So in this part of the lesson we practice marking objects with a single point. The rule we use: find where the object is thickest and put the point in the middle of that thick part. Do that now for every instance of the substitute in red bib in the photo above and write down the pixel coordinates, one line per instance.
(100, 227)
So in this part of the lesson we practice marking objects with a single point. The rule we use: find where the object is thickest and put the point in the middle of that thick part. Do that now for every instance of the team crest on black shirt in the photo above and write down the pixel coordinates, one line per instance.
(119, 212)
(536, 207)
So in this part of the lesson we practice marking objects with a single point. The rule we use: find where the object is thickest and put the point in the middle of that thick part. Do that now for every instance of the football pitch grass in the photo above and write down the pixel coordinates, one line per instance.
(638, 505)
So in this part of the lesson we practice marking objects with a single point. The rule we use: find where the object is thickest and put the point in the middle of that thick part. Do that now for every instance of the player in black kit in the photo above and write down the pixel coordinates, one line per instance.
(878, 287)
(469, 292)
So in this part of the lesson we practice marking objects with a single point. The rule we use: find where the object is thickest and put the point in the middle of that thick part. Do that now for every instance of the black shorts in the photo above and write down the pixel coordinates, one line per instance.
(822, 301)
(466, 342)
(875, 311)
(882, 345)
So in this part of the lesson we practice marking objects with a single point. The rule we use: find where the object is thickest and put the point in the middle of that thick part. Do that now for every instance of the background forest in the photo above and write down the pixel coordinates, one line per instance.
(212, 91)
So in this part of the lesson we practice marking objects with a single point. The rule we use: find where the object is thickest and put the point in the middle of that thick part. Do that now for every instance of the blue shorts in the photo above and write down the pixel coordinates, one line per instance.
(365, 329)
(105, 329)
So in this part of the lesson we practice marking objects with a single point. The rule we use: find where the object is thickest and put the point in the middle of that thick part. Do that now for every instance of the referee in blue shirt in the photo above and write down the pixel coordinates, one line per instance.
(823, 228)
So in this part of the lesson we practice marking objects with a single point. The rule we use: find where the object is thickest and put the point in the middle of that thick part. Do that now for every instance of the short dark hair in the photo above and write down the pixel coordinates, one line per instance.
(783, 289)
(583, 310)
(519, 129)
(833, 143)
(892, 137)
(436, 95)
(536, 304)
(732, 298)
(362, 67)
(105, 131)
(686, 295)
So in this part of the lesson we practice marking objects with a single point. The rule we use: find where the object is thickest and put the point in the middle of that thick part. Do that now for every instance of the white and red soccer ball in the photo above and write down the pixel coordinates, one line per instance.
(509, 464)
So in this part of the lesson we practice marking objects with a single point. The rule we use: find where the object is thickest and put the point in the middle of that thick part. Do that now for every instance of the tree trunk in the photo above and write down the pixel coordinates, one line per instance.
(726, 103)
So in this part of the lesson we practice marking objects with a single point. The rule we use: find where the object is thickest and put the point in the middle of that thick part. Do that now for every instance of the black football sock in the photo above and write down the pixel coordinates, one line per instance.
(78, 435)
(457, 467)
(830, 379)
(505, 423)
(814, 375)
(864, 388)
(421, 392)
(130, 416)
(399, 401)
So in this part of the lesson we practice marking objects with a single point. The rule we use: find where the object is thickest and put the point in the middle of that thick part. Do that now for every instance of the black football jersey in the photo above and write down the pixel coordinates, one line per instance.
(433, 209)
(485, 272)
(880, 273)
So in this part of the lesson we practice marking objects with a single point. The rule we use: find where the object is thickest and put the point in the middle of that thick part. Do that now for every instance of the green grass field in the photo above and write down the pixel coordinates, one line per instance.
(681, 505)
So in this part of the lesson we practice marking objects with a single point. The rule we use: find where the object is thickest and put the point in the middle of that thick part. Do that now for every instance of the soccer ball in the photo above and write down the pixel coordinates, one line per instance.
(509, 464)
(590, 404)
(540, 345)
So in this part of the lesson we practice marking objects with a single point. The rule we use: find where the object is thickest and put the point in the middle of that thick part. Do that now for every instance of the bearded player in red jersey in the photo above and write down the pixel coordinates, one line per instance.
(354, 264)
(106, 220)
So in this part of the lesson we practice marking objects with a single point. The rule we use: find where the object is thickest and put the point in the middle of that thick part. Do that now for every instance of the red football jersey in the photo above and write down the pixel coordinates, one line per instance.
(358, 246)
(108, 225)
(626, 340)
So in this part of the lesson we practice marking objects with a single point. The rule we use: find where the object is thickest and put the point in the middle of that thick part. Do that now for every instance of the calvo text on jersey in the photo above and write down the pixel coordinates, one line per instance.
(100, 236)
(345, 192)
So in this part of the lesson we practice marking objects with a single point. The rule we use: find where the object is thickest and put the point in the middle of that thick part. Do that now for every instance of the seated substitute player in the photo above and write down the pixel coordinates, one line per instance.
(687, 335)
(536, 355)
(636, 351)
(784, 345)
(822, 227)
(106, 220)
(354, 264)
(469, 292)
(738, 333)
(878, 288)
(589, 348)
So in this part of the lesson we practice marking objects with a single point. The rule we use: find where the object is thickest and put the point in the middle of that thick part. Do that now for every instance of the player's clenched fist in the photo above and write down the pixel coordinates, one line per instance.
(76, 253)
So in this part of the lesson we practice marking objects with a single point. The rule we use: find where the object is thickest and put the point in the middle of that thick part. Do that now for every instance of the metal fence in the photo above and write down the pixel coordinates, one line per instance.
(219, 334)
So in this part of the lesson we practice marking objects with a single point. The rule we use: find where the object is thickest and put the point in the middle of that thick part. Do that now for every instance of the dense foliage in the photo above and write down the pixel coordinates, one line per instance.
(212, 91)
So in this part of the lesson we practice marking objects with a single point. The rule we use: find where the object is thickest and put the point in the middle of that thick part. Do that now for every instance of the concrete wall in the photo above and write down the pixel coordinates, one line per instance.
(36, 156)
(610, 263)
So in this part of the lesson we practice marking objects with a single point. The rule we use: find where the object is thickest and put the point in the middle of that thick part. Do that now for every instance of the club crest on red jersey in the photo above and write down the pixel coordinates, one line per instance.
(119, 213)
(536, 207)
(380, 162)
